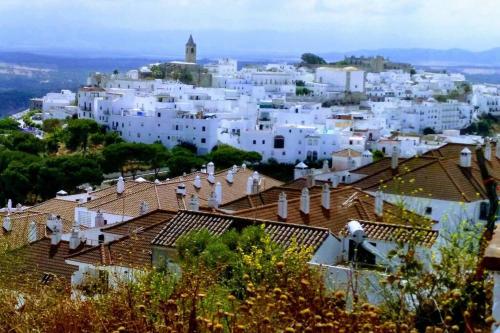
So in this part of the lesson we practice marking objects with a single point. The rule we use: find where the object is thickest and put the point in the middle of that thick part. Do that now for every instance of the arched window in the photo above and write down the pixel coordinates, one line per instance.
(279, 141)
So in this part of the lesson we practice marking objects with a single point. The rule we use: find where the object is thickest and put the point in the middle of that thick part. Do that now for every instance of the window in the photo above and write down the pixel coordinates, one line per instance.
(203, 128)
(159, 114)
(263, 142)
(428, 210)
(203, 140)
(279, 142)
(360, 255)
(254, 142)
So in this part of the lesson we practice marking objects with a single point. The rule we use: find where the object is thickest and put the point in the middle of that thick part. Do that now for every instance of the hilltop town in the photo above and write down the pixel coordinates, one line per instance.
(376, 175)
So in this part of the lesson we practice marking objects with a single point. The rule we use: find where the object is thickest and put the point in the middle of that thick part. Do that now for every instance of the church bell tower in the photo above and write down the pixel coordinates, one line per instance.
(190, 50)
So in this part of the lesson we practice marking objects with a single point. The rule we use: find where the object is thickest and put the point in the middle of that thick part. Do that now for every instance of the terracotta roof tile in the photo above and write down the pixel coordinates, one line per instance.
(346, 203)
(397, 233)
(217, 224)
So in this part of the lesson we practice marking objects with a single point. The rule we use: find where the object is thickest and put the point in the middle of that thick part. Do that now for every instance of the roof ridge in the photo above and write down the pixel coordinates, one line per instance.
(397, 225)
(236, 217)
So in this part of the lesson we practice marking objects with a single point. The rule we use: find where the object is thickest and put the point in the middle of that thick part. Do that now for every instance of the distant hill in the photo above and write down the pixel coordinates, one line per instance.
(428, 57)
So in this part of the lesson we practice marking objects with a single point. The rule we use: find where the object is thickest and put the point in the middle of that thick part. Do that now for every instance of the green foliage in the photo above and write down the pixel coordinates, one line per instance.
(183, 160)
(24, 142)
(442, 288)
(312, 59)
(78, 132)
(51, 125)
(484, 126)
(8, 124)
(302, 91)
(127, 157)
(158, 71)
(225, 156)
(300, 83)
(377, 155)
(428, 130)
(276, 170)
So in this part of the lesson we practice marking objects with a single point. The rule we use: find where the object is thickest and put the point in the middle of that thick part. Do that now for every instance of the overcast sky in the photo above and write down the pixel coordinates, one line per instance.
(321, 25)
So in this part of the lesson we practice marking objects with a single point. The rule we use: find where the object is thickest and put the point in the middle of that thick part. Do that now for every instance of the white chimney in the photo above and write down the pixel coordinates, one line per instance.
(203, 169)
(7, 223)
(487, 150)
(255, 186)
(249, 185)
(465, 158)
(74, 239)
(181, 189)
(304, 201)
(212, 201)
(367, 157)
(325, 196)
(120, 185)
(230, 176)
(300, 170)
(55, 238)
(218, 193)
(32, 236)
(99, 220)
(143, 208)
(211, 168)
(379, 204)
(256, 175)
(326, 167)
(335, 181)
(19, 208)
(244, 166)
(54, 223)
(497, 150)
(211, 178)
(282, 206)
(157, 182)
(194, 203)
(9, 206)
(197, 181)
(395, 158)
(234, 169)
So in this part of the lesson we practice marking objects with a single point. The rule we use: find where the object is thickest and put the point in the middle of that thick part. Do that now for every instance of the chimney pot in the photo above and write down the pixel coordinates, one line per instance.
(465, 158)
(487, 150)
(325, 196)
(194, 203)
(211, 168)
(230, 176)
(120, 185)
(304, 201)
(7, 223)
(395, 158)
(282, 206)
(218, 193)
(379, 204)
(197, 181)
(212, 201)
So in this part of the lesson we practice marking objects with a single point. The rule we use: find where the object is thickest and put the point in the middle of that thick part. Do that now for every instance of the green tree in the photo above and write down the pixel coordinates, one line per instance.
(183, 160)
(8, 124)
(127, 157)
(225, 156)
(377, 155)
(428, 130)
(50, 125)
(24, 142)
(159, 158)
(78, 132)
(312, 59)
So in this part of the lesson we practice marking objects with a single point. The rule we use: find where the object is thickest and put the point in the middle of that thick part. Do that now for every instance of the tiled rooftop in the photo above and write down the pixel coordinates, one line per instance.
(217, 224)
(398, 233)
